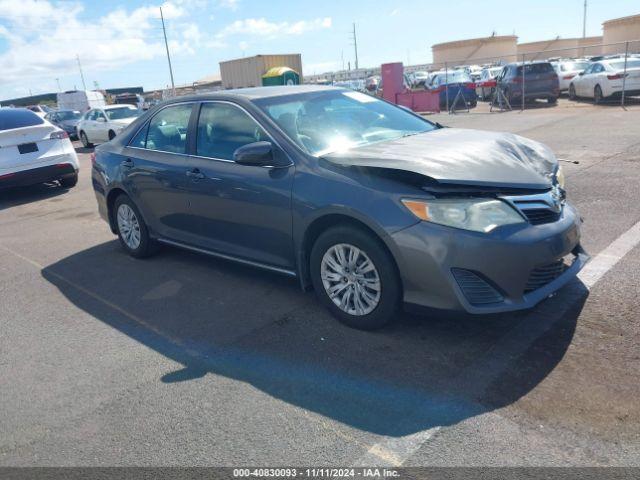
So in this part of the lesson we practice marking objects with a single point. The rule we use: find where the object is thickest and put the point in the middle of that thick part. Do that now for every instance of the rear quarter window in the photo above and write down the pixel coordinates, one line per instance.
(11, 118)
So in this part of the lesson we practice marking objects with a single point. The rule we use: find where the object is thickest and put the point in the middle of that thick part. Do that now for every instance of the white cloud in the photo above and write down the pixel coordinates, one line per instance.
(265, 28)
(43, 42)
(230, 4)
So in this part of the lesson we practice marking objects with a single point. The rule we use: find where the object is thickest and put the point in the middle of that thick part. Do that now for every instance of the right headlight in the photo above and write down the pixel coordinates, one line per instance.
(478, 215)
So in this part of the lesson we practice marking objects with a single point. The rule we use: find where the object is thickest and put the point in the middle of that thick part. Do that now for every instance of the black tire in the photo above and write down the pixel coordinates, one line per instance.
(85, 140)
(552, 100)
(390, 288)
(69, 181)
(112, 135)
(597, 95)
(147, 245)
(572, 92)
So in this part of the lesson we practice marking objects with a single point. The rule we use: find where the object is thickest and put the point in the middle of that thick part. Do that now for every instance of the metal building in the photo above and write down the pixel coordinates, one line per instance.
(621, 30)
(248, 72)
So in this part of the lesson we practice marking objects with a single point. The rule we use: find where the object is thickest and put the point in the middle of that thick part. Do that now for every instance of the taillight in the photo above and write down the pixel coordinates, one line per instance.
(569, 77)
(470, 85)
(617, 76)
(93, 158)
(59, 135)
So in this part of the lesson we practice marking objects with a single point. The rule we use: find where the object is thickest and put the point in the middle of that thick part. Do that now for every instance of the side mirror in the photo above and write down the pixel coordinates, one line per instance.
(581, 73)
(101, 119)
(259, 154)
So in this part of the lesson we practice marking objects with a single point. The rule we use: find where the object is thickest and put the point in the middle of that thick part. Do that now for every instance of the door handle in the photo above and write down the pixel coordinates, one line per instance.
(128, 163)
(196, 174)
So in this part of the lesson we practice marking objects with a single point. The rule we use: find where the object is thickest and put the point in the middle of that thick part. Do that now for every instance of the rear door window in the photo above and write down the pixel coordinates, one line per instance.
(11, 118)
(168, 129)
(223, 128)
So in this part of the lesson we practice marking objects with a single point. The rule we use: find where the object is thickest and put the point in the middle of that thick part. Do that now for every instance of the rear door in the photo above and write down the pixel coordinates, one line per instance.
(154, 167)
(242, 210)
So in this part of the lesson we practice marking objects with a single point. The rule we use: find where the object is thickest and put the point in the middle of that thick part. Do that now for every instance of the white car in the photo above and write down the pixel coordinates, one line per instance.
(567, 70)
(604, 78)
(33, 151)
(102, 124)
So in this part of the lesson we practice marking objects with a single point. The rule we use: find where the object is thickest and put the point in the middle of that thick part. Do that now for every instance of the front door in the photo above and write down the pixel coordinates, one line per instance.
(242, 210)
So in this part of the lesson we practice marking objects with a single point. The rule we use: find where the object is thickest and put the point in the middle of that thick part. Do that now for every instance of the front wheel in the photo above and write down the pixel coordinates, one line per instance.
(85, 140)
(112, 135)
(132, 231)
(355, 277)
(572, 92)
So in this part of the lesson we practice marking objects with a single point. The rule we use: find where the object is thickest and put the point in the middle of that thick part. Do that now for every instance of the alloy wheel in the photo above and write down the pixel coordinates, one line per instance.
(128, 226)
(350, 279)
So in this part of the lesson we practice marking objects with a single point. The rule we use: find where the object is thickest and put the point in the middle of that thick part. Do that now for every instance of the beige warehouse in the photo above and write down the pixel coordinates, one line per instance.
(621, 30)
(476, 50)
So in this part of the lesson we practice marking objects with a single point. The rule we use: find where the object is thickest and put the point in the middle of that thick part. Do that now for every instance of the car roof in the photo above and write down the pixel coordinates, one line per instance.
(120, 105)
(255, 93)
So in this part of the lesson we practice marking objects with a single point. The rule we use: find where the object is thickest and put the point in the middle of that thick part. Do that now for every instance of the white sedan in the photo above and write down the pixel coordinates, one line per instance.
(605, 78)
(567, 70)
(33, 151)
(102, 124)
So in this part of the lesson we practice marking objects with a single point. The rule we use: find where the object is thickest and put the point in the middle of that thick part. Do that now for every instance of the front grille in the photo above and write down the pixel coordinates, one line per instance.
(541, 276)
(475, 289)
(540, 216)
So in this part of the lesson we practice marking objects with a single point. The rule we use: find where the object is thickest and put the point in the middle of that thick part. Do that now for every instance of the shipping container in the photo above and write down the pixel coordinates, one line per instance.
(248, 72)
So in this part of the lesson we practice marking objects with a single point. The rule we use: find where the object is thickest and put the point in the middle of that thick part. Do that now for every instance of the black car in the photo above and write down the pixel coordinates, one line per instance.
(540, 81)
(370, 204)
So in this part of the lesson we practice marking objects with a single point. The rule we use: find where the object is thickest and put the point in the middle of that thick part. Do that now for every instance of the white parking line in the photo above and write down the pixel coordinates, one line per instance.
(607, 258)
(394, 451)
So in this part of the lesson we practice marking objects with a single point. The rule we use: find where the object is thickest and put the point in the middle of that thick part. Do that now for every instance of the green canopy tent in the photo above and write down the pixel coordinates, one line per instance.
(280, 76)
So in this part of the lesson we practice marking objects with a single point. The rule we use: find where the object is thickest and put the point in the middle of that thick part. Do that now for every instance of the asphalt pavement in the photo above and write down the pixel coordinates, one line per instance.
(182, 359)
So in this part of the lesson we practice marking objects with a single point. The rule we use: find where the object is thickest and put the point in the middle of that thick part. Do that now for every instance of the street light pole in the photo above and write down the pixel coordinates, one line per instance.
(166, 45)
(584, 20)
(84, 85)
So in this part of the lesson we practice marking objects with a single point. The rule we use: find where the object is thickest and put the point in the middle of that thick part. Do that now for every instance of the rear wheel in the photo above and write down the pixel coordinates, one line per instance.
(355, 277)
(69, 181)
(572, 92)
(552, 100)
(597, 94)
(85, 140)
(112, 135)
(132, 231)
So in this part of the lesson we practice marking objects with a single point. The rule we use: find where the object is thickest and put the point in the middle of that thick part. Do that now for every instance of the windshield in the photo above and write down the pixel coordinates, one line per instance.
(329, 121)
(119, 113)
(454, 77)
(620, 65)
(573, 66)
(68, 115)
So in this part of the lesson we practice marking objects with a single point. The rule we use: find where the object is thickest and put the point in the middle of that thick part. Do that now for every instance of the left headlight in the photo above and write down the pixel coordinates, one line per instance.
(478, 215)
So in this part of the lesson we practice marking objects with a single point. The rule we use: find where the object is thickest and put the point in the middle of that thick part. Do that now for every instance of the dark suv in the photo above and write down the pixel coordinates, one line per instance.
(540, 81)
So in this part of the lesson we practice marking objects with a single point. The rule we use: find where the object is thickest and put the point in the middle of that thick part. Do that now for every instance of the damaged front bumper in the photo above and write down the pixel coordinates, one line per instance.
(511, 268)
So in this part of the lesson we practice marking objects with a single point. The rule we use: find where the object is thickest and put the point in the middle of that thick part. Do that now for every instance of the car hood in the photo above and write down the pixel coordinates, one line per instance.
(123, 121)
(462, 157)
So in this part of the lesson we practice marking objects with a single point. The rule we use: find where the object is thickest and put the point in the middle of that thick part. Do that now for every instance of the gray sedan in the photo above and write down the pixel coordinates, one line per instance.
(67, 120)
(372, 206)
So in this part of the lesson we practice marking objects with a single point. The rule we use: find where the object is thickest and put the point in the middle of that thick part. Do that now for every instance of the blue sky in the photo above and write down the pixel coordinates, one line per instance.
(120, 42)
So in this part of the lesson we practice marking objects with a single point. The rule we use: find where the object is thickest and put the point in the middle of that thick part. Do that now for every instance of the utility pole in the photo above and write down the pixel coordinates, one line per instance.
(355, 44)
(84, 85)
(584, 20)
(166, 44)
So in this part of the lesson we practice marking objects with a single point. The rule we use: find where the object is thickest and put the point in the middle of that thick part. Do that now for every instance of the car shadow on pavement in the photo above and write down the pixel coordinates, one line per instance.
(16, 196)
(213, 316)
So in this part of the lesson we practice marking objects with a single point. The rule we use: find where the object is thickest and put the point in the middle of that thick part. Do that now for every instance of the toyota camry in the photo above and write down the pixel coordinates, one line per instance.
(372, 206)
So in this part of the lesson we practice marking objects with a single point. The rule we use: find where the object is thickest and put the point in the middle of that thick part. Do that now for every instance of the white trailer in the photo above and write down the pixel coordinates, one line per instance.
(81, 100)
